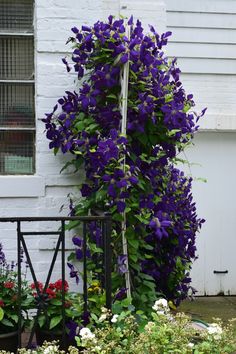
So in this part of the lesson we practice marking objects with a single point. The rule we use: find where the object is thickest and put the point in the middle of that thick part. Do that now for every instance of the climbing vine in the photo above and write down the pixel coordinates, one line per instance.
(134, 173)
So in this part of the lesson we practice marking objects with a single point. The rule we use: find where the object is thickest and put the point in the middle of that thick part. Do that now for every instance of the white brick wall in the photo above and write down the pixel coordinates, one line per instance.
(44, 193)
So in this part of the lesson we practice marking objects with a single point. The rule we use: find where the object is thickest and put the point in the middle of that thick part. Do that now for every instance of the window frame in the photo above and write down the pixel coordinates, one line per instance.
(31, 129)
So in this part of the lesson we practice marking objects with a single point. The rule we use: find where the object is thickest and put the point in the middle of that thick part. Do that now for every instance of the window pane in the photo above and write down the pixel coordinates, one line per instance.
(16, 58)
(16, 105)
(16, 15)
(16, 152)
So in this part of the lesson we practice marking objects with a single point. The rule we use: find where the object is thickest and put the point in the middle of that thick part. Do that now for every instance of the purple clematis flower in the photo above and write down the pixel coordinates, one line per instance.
(122, 264)
(73, 272)
(158, 225)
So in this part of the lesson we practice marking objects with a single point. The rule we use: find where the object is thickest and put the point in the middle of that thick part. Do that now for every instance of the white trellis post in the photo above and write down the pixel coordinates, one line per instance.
(123, 107)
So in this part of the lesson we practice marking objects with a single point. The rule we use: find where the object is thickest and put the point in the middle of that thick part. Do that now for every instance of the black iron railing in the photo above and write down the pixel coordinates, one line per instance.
(104, 222)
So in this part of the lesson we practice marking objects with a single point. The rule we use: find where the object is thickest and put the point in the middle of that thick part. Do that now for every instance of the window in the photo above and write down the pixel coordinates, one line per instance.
(17, 119)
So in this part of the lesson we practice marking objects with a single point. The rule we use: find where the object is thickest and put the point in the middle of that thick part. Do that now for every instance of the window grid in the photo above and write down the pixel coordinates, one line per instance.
(17, 118)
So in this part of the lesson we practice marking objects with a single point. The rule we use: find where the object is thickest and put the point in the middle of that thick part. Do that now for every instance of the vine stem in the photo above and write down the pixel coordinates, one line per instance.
(123, 106)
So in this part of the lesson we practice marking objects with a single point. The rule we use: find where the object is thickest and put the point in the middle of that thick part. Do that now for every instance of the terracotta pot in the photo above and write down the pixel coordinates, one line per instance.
(9, 341)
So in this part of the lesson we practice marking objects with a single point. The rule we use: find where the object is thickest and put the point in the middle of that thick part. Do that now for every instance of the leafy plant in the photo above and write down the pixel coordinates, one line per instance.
(51, 317)
(161, 332)
(9, 300)
(133, 176)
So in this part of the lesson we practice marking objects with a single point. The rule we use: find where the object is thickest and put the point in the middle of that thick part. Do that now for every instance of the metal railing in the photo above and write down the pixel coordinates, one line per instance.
(105, 225)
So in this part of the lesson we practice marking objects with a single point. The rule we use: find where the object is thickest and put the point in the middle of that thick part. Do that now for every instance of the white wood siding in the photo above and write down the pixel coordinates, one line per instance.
(204, 41)
(204, 35)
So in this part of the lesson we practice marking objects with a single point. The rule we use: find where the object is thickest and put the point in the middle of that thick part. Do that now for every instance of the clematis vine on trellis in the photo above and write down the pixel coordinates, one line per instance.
(132, 174)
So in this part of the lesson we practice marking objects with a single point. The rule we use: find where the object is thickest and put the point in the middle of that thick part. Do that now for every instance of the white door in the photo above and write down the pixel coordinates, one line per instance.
(215, 270)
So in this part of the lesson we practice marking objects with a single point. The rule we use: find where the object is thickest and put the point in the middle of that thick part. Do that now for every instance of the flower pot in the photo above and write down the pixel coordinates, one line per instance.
(9, 341)
(45, 335)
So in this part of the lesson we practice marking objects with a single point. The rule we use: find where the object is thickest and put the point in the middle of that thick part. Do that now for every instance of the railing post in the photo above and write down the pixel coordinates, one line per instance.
(63, 281)
(19, 280)
(85, 285)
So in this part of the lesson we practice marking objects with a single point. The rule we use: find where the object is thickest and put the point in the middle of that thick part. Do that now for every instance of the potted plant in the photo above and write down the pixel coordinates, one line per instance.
(9, 303)
(50, 319)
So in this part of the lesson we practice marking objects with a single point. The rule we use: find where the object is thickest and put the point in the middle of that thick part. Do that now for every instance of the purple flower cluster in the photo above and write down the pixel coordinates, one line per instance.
(135, 173)
(173, 241)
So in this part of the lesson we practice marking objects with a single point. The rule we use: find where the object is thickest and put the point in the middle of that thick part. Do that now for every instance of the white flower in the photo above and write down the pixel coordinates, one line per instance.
(50, 349)
(160, 312)
(85, 333)
(160, 304)
(97, 348)
(102, 317)
(190, 345)
(149, 326)
(215, 330)
(114, 318)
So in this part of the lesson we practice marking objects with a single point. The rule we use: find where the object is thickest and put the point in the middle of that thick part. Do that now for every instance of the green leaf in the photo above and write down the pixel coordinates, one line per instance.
(55, 151)
(173, 132)
(69, 163)
(1, 314)
(200, 179)
(143, 139)
(56, 302)
(14, 317)
(94, 317)
(111, 96)
(55, 321)
(133, 257)
(153, 139)
(80, 126)
(93, 126)
(81, 116)
(41, 320)
(134, 243)
(7, 323)
(134, 265)
(133, 74)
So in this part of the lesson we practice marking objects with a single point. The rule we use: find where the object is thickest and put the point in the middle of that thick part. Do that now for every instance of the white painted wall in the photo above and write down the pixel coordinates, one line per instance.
(204, 40)
(44, 193)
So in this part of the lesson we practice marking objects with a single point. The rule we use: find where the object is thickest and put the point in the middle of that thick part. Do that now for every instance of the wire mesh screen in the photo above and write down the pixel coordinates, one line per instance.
(16, 15)
(16, 58)
(16, 152)
(16, 105)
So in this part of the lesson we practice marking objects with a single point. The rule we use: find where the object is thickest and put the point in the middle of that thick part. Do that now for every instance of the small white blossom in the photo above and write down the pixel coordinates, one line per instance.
(160, 304)
(190, 345)
(85, 333)
(104, 309)
(161, 312)
(149, 326)
(215, 330)
(51, 349)
(102, 317)
(114, 318)
(97, 348)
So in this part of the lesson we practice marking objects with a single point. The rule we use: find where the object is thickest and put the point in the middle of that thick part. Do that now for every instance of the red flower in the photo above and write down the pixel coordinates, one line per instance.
(58, 285)
(40, 286)
(1, 303)
(9, 284)
(51, 293)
